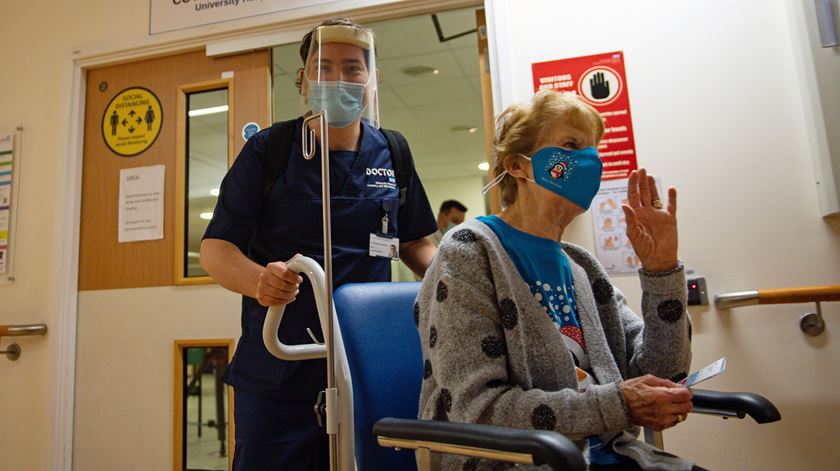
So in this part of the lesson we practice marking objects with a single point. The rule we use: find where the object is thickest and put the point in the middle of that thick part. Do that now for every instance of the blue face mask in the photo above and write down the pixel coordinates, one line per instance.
(343, 101)
(572, 174)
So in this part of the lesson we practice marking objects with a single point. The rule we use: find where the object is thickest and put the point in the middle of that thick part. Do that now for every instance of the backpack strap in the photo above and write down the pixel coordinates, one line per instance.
(401, 159)
(278, 148)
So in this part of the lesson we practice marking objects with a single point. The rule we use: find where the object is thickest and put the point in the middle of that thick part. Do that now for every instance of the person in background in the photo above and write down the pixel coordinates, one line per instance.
(520, 328)
(259, 223)
(451, 214)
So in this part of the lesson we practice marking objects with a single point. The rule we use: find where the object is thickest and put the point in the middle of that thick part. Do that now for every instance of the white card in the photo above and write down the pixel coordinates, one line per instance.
(384, 246)
(714, 369)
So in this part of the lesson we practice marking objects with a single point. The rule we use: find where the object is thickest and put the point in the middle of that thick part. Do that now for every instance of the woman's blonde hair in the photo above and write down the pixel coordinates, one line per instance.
(520, 127)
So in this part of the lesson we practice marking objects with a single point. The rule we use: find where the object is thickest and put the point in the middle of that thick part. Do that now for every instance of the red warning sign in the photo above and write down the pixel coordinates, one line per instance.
(600, 80)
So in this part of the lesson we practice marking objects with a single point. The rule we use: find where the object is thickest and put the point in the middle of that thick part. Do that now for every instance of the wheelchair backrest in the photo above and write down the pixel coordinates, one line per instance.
(386, 363)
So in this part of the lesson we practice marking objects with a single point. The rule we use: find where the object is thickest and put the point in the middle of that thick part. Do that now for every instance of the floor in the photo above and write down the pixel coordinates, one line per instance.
(203, 453)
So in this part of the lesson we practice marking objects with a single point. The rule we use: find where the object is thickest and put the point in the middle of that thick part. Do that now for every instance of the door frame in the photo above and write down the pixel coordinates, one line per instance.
(62, 369)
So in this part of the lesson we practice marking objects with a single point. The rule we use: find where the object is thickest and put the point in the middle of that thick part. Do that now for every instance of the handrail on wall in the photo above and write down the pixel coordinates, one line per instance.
(808, 294)
(811, 323)
(13, 352)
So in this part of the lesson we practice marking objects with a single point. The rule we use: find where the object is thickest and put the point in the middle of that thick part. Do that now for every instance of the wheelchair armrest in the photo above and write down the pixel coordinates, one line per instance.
(544, 446)
(735, 404)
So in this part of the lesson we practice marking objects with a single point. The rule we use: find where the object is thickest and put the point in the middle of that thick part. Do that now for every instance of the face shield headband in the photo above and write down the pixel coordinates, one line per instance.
(341, 75)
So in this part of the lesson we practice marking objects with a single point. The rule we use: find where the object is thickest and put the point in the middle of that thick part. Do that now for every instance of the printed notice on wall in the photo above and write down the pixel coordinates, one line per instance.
(141, 203)
(6, 160)
(612, 247)
(600, 80)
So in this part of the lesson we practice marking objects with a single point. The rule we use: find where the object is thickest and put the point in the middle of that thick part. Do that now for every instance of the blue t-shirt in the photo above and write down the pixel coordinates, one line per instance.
(546, 269)
(363, 190)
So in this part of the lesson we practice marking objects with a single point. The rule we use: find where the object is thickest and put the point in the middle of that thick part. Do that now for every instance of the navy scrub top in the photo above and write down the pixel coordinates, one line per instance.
(289, 221)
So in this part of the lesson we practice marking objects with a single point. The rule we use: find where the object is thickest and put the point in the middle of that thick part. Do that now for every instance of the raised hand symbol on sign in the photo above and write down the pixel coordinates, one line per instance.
(600, 87)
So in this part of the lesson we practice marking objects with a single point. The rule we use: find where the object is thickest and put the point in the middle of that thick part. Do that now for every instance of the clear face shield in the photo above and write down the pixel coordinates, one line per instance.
(340, 76)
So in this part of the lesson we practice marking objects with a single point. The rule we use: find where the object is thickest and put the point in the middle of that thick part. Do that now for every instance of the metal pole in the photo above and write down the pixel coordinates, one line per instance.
(331, 392)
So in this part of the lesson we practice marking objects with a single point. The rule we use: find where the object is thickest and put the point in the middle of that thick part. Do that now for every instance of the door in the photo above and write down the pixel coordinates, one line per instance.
(159, 134)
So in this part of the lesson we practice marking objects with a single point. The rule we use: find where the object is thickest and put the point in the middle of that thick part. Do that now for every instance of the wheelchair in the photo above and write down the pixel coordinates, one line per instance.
(378, 370)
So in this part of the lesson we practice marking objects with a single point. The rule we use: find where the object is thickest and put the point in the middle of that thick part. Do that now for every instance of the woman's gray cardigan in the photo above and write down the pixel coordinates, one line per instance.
(493, 356)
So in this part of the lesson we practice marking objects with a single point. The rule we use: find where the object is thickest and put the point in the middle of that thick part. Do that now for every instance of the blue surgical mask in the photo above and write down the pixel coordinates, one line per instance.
(343, 101)
(572, 174)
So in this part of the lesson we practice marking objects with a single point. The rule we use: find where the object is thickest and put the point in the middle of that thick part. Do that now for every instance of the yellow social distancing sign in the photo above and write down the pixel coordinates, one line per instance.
(132, 121)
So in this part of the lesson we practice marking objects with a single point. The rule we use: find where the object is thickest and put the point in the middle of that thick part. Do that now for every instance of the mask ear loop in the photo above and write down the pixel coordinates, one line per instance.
(499, 177)
(493, 182)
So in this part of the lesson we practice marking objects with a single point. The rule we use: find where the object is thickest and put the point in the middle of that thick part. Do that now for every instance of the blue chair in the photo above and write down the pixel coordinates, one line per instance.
(386, 365)
(378, 325)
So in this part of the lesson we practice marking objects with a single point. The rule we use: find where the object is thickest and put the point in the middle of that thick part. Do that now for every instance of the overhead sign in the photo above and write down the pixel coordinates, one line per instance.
(170, 15)
(132, 121)
(600, 80)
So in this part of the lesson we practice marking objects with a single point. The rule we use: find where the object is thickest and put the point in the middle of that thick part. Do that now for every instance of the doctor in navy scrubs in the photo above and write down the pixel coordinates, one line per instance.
(252, 235)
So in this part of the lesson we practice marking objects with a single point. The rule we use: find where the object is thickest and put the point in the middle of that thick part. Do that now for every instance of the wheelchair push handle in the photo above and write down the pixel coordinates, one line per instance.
(309, 267)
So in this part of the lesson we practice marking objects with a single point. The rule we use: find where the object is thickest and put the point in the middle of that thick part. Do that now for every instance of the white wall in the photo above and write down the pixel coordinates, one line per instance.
(719, 111)
(467, 190)
(39, 43)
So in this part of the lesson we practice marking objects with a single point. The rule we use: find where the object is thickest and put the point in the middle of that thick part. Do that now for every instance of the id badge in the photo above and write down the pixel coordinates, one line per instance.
(384, 246)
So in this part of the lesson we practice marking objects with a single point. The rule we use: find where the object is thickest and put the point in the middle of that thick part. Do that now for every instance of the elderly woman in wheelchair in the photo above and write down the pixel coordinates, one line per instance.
(521, 329)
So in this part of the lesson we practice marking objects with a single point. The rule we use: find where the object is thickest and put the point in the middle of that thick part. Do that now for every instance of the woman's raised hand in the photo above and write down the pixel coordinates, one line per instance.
(651, 229)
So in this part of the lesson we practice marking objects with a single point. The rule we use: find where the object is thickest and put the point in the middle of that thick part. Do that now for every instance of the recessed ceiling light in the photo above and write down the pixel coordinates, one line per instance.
(420, 70)
(206, 216)
(484, 166)
(466, 129)
(204, 111)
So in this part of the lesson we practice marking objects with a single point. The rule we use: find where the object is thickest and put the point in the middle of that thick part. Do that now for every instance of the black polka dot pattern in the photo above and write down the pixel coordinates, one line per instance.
(542, 418)
(510, 315)
(416, 314)
(602, 290)
(493, 346)
(432, 337)
(443, 405)
(427, 369)
(471, 464)
(664, 453)
(442, 292)
(678, 377)
(445, 401)
(465, 236)
(670, 311)
(495, 383)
